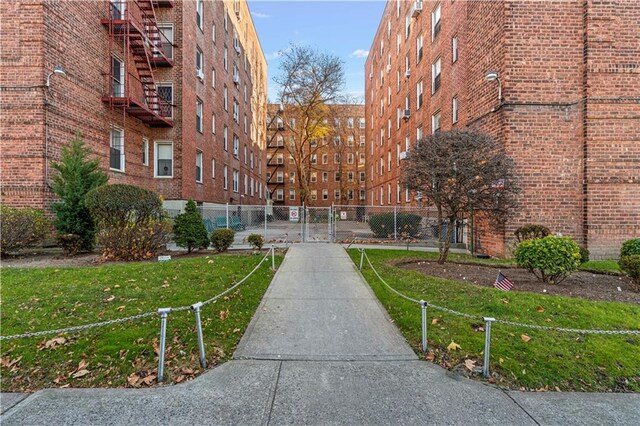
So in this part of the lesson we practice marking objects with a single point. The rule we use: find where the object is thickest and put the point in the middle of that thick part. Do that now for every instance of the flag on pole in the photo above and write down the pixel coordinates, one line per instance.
(502, 282)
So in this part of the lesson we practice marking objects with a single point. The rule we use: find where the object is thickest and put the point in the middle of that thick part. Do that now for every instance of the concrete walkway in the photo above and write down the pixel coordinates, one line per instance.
(320, 350)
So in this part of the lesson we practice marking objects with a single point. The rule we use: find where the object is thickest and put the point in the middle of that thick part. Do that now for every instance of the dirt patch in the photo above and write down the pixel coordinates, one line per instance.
(581, 284)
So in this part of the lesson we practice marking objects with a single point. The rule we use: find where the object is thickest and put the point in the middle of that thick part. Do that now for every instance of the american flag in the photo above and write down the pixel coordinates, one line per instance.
(502, 282)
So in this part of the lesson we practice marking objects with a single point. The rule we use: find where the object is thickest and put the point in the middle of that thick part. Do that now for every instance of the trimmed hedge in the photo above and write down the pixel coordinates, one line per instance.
(531, 231)
(20, 228)
(256, 241)
(630, 248)
(407, 224)
(631, 266)
(550, 259)
(130, 220)
(222, 239)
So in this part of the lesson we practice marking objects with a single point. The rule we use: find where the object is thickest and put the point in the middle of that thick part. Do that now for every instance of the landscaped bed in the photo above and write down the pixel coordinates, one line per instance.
(123, 355)
(521, 358)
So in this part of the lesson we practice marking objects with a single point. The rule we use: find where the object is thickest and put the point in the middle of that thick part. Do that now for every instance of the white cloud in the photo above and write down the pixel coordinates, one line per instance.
(359, 53)
(273, 55)
(260, 15)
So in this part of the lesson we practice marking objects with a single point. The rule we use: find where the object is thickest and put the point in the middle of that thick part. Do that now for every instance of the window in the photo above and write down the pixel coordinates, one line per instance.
(363, 194)
(336, 176)
(292, 194)
(117, 77)
(279, 194)
(251, 161)
(280, 158)
(388, 193)
(244, 154)
(407, 26)
(336, 194)
(435, 75)
(336, 140)
(350, 141)
(225, 138)
(389, 160)
(362, 123)
(362, 141)
(435, 122)
(199, 166)
(419, 45)
(314, 194)
(145, 151)
(454, 48)
(398, 196)
(314, 176)
(199, 115)
(213, 78)
(213, 33)
(314, 158)
(325, 194)
(361, 158)
(199, 64)
(435, 22)
(225, 177)
(292, 177)
(236, 111)
(225, 22)
(213, 168)
(225, 58)
(363, 177)
(325, 158)
(292, 123)
(236, 146)
(350, 177)
(454, 110)
(164, 159)
(325, 176)
(336, 158)
(350, 123)
(116, 149)
(419, 94)
(199, 13)
(236, 180)
(225, 98)
(166, 39)
(213, 124)
(165, 92)
(280, 177)
(245, 185)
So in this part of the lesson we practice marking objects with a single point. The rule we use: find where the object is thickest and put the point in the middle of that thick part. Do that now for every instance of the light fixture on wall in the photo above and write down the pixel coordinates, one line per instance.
(57, 70)
(493, 76)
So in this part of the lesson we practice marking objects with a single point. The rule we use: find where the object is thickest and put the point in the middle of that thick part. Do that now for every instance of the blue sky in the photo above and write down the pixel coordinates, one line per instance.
(342, 28)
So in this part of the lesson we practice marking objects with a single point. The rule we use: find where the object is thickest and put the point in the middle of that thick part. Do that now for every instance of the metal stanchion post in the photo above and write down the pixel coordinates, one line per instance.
(395, 222)
(424, 304)
(196, 311)
(487, 343)
(361, 258)
(227, 210)
(265, 222)
(163, 312)
(273, 257)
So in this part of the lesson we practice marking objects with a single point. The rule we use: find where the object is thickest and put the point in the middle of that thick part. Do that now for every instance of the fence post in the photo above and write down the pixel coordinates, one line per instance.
(487, 343)
(163, 312)
(273, 257)
(227, 215)
(424, 304)
(196, 311)
(361, 258)
(395, 222)
(265, 223)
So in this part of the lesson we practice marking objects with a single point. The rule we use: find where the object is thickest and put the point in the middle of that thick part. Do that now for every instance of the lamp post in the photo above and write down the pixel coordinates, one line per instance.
(57, 70)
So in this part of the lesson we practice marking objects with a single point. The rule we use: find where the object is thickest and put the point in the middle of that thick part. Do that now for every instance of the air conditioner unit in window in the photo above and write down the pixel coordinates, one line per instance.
(419, 195)
(407, 74)
(236, 79)
(403, 155)
(417, 8)
(406, 114)
(200, 74)
(388, 67)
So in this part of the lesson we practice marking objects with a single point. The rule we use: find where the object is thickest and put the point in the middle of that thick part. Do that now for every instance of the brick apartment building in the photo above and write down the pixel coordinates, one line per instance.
(336, 162)
(169, 95)
(565, 105)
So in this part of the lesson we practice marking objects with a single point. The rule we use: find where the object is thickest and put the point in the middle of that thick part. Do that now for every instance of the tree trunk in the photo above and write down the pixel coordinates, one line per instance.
(442, 256)
(447, 243)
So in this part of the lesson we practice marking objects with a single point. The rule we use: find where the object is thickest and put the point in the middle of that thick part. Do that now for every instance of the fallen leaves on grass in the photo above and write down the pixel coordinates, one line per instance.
(430, 356)
(469, 364)
(525, 338)
(453, 346)
(435, 321)
(224, 315)
(53, 343)
(539, 309)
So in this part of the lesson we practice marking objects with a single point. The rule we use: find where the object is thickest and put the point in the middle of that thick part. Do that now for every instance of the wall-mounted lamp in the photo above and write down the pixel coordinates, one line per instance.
(493, 76)
(57, 70)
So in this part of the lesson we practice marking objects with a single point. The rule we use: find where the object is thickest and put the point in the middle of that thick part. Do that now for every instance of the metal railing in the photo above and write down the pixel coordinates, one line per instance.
(487, 320)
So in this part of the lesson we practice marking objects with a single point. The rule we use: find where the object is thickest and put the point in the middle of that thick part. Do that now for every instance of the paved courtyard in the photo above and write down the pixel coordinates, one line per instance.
(320, 350)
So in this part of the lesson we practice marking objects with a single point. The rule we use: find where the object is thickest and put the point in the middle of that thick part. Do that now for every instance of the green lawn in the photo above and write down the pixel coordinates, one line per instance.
(123, 354)
(566, 361)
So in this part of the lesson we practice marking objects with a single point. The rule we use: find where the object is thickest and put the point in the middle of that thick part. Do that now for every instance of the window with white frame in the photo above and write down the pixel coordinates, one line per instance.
(435, 122)
(389, 193)
(325, 194)
(362, 141)
(336, 176)
(363, 193)
(116, 149)
(454, 48)
(419, 48)
(350, 123)
(350, 176)
(314, 194)
(454, 110)
(117, 77)
(336, 158)
(419, 95)
(292, 194)
(199, 64)
(435, 21)
(199, 166)
(166, 39)
(245, 185)
(407, 26)
(213, 123)
(350, 158)
(225, 138)
(314, 176)
(325, 177)
(199, 126)
(435, 75)
(325, 158)
(236, 111)
(244, 154)
(165, 92)
(199, 13)
(225, 98)
(164, 159)
(398, 192)
(213, 78)
(236, 146)
(280, 177)
(145, 151)
(213, 168)
(225, 58)
(336, 194)
(361, 158)
(225, 177)
(362, 123)
(213, 33)
(279, 194)
(236, 180)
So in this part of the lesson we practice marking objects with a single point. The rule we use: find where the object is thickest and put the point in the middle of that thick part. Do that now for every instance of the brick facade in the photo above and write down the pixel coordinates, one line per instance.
(38, 35)
(569, 114)
(337, 161)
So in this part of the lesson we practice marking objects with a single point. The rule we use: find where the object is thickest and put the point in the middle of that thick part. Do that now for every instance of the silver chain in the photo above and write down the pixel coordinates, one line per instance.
(499, 321)
(130, 318)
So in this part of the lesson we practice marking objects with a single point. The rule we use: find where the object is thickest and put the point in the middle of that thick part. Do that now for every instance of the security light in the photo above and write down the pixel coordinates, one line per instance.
(56, 70)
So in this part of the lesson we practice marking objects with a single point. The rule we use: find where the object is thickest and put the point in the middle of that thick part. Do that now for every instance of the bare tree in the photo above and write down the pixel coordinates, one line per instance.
(310, 82)
(459, 171)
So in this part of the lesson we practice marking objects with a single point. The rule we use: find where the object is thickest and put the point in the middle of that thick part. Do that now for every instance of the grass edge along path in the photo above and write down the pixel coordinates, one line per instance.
(125, 354)
(522, 358)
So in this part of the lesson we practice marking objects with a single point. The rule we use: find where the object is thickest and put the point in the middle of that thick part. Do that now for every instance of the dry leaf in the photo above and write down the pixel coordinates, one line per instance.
(149, 379)
(224, 315)
(80, 373)
(210, 261)
(435, 321)
(453, 346)
(134, 380)
(430, 356)
(525, 338)
(110, 298)
(539, 309)
(504, 300)
(53, 343)
(121, 308)
(469, 364)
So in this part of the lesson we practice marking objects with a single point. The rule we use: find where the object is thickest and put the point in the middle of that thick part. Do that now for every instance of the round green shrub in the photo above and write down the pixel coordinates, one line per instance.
(550, 259)
(20, 228)
(631, 266)
(222, 239)
(630, 248)
(189, 230)
(531, 231)
(584, 255)
(256, 241)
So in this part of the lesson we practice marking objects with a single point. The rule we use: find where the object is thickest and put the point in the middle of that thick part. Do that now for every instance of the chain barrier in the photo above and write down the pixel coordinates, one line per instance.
(499, 321)
(132, 317)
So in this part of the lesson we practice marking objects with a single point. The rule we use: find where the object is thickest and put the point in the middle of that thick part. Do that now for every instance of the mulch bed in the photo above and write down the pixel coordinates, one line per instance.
(581, 284)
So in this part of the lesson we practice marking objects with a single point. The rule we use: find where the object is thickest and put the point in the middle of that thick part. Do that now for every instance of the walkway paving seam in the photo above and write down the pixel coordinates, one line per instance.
(272, 395)
(519, 406)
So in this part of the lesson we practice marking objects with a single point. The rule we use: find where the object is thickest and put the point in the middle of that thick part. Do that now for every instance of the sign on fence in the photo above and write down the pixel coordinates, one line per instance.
(293, 214)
